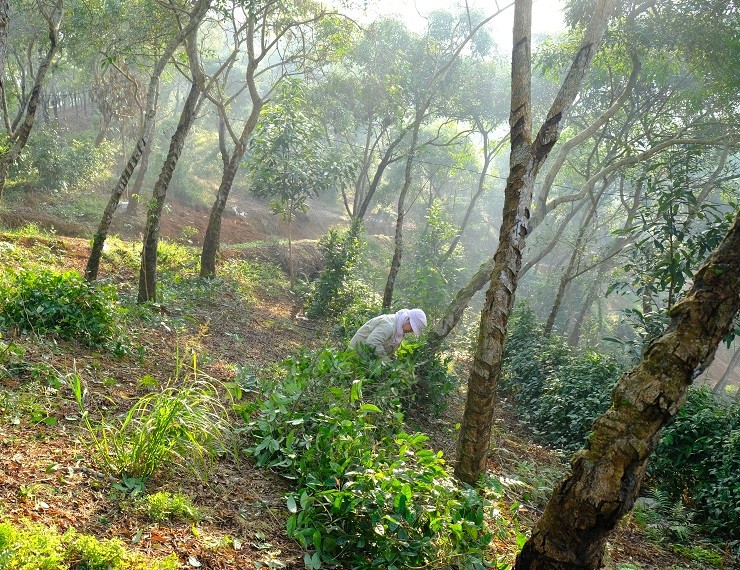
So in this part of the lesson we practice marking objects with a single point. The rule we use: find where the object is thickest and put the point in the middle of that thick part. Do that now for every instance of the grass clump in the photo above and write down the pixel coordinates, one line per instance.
(184, 424)
(164, 506)
(34, 546)
(61, 303)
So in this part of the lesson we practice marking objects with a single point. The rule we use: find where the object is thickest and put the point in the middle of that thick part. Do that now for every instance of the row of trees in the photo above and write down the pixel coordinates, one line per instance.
(308, 102)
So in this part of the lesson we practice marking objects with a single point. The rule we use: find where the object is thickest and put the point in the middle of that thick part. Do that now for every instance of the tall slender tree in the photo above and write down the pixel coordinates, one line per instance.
(148, 268)
(526, 158)
(195, 16)
(278, 42)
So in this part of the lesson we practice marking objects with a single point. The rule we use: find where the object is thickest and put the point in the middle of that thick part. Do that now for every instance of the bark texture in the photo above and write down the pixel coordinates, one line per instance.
(93, 263)
(148, 270)
(605, 477)
(525, 161)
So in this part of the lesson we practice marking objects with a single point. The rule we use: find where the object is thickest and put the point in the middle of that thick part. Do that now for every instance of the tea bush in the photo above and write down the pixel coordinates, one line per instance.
(368, 495)
(55, 162)
(558, 391)
(335, 290)
(698, 457)
(62, 303)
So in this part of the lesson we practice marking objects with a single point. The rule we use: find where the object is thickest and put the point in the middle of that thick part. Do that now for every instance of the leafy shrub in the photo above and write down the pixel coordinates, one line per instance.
(334, 290)
(392, 505)
(55, 163)
(434, 380)
(557, 391)
(185, 424)
(63, 303)
(34, 546)
(30, 547)
(698, 457)
(368, 495)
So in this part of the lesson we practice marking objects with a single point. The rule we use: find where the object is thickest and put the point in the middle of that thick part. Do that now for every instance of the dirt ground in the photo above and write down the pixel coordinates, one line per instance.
(244, 506)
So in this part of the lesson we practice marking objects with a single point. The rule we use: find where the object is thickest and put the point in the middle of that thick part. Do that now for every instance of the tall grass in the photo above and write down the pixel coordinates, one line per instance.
(183, 423)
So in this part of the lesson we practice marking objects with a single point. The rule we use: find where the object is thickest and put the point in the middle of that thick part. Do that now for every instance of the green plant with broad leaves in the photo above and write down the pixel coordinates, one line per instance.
(183, 423)
(367, 494)
(698, 457)
(556, 389)
(62, 303)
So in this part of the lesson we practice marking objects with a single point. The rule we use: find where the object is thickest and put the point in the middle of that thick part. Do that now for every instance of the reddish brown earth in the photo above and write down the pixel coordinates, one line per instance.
(38, 476)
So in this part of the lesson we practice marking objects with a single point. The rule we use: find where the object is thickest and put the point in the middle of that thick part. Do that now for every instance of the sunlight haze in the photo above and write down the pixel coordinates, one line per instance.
(547, 17)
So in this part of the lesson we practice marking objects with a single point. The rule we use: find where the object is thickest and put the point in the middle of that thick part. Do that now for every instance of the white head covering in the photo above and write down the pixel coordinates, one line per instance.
(418, 320)
(415, 317)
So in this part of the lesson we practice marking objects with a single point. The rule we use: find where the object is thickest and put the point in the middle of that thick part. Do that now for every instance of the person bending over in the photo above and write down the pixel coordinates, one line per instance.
(385, 332)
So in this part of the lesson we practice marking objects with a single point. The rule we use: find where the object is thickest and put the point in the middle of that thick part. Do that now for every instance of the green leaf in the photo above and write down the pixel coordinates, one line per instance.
(292, 507)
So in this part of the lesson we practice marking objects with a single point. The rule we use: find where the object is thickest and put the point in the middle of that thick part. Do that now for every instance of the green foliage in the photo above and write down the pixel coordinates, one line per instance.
(699, 457)
(336, 291)
(557, 391)
(432, 276)
(36, 547)
(368, 495)
(395, 506)
(435, 380)
(673, 235)
(288, 159)
(164, 506)
(51, 162)
(184, 424)
(62, 303)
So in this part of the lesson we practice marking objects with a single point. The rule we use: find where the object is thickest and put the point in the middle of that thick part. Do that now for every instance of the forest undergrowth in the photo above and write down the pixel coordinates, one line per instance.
(133, 441)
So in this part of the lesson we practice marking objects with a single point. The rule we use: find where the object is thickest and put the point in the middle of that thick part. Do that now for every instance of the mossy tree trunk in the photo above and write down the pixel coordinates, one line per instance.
(605, 477)
(148, 269)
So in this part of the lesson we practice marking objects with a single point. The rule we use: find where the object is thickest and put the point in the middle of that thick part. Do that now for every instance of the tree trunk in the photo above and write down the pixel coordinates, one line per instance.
(19, 138)
(134, 199)
(398, 249)
(93, 262)
(4, 26)
(457, 307)
(605, 478)
(475, 431)
(525, 161)
(212, 238)
(574, 260)
(148, 270)
(575, 334)
(719, 387)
